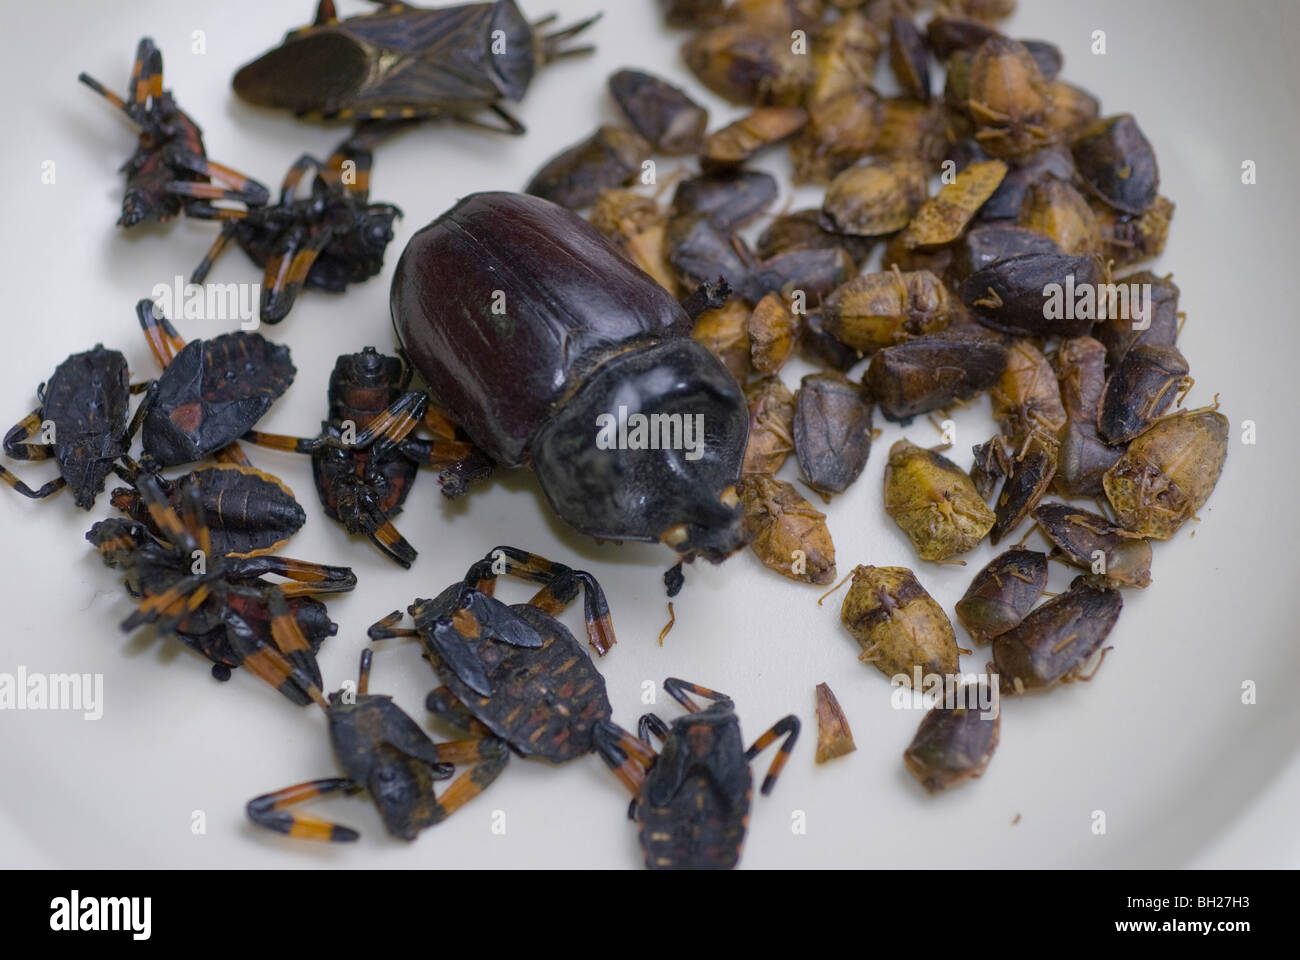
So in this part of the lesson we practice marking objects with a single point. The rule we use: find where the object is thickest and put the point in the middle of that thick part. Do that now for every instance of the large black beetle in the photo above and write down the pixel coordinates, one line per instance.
(536, 335)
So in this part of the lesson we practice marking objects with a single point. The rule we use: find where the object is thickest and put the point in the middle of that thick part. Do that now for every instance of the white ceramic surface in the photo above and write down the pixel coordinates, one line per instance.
(1161, 742)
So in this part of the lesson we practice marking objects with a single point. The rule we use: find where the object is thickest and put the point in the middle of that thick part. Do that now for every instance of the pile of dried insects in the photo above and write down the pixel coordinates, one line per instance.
(976, 236)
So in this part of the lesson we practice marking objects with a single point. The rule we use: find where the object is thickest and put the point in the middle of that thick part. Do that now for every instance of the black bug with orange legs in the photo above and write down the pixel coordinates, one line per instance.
(513, 676)
(366, 457)
(691, 800)
(219, 605)
(404, 61)
(249, 513)
(81, 424)
(380, 750)
(170, 168)
(210, 392)
(326, 238)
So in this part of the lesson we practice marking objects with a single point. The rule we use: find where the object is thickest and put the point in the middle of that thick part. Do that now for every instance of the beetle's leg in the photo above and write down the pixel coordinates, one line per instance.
(788, 726)
(391, 543)
(232, 453)
(388, 629)
(287, 267)
(442, 703)
(239, 187)
(288, 637)
(680, 691)
(103, 91)
(18, 441)
(651, 723)
(165, 518)
(202, 210)
(459, 464)
(263, 660)
(40, 493)
(309, 578)
(146, 76)
(551, 45)
(164, 341)
(356, 181)
(560, 588)
(278, 441)
(623, 753)
(488, 756)
(269, 810)
(293, 179)
(512, 126)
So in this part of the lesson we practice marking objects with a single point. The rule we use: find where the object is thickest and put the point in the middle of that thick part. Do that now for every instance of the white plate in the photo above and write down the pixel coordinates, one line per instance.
(1161, 741)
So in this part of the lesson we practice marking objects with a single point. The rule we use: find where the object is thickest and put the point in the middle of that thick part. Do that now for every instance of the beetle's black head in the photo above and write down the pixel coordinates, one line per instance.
(313, 71)
(649, 447)
(364, 382)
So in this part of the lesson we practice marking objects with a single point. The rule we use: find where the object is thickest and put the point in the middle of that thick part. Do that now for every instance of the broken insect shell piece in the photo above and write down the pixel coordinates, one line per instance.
(787, 532)
(834, 738)
(771, 426)
(660, 112)
(955, 744)
(737, 142)
(610, 157)
(773, 330)
(898, 624)
(944, 216)
(934, 502)
(1002, 594)
(1080, 536)
(991, 466)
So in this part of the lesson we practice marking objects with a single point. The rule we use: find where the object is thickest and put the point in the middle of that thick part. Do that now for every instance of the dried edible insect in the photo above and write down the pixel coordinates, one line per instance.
(1168, 473)
(955, 743)
(910, 128)
(584, 333)
(1131, 239)
(1050, 162)
(1120, 330)
(986, 245)
(908, 58)
(834, 738)
(1027, 398)
(773, 330)
(777, 15)
(729, 200)
(332, 237)
(1009, 100)
(1048, 56)
(380, 750)
(405, 61)
(947, 34)
(877, 310)
(899, 626)
(636, 225)
(841, 129)
(1140, 389)
(788, 533)
(81, 423)
(248, 512)
(771, 426)
(512, 676)
(832, 431)
(747, 65)
(844, 54)
(819, 347)
(813, 273)
(737, 142)
(1116, 162)
(725, 333)
(1084, 457)
(1092, 543)
(1032, 470)
(699, 253)
(944, 216)
(930, 372)
(169, 168)
(991, 466)
(1055, 641)
(1002, 593)
(1036, 294)
(934, 502)
(1057, 210)
(938, 260)
(230, 614)
(691, 800)
(1072, 110)
(660, 112)
(802, 230)
(367, 454)
(611, 157)
(875, 198)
